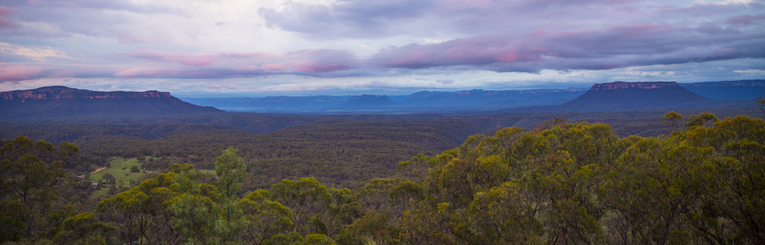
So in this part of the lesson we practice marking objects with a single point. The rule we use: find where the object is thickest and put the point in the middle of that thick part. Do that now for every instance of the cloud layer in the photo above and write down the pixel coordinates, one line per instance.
(198, 46)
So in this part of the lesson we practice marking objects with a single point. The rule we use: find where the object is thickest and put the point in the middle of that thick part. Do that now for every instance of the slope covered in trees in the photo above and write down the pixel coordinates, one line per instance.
(728, 90)
(339, 153)
(622, 96)
(59, 101)
(561, 183)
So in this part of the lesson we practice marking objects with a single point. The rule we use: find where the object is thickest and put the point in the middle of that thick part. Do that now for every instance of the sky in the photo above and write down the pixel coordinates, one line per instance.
(212, 48)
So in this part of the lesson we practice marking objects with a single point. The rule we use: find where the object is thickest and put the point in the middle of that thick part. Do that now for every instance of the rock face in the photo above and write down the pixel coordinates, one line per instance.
(61, 92)
(637, 85)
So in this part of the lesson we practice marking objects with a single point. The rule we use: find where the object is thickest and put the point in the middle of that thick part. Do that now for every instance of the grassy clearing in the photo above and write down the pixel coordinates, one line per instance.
(207, 171)
(120, 169)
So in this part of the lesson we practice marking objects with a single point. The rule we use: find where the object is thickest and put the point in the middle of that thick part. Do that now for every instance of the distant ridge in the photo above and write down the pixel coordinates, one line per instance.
(61, 92)
(60, 101)
(728, 90)
(369, 101)
(622, 96)
(628, 85)
(484, 97)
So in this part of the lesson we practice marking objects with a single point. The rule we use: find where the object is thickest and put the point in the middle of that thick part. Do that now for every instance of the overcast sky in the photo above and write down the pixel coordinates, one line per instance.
(226, 48)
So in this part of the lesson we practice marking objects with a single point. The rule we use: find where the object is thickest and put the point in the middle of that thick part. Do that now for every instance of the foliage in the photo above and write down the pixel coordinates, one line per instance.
(30, 172)
(561, 183)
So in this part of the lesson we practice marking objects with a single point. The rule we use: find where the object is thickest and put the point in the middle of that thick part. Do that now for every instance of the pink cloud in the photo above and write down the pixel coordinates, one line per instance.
(643, 43)
(5, 18)
(302, 67)
(272, 67)
(746, 19)
(141, 72)
(15, 73)
(213, 86)
(310, 67)
(225, 64)
(174, 57)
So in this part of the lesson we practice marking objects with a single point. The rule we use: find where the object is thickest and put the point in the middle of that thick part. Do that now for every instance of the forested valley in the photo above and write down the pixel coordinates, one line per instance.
(703, 182)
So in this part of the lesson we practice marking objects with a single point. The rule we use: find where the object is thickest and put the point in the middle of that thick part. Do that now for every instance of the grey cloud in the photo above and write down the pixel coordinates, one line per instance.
(348, 18)
(55, 19)
(124, 5)
(609, 48)
(382, 19)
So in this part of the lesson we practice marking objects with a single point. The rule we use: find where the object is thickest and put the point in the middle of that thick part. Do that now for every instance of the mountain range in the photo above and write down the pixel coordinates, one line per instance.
(60, 101)
(64, 102)
(728, 90)
(423, 101)
(596, 98)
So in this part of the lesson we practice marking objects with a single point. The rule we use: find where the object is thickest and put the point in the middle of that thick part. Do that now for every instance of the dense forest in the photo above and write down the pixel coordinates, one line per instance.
(703, 182)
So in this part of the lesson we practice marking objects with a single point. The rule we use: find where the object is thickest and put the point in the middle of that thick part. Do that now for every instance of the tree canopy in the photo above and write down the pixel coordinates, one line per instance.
(561, 183)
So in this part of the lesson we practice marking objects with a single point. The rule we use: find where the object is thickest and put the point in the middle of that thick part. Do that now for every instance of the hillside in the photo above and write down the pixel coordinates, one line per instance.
(509, 187)
(59, 101)
(623, 96)
(337, 152)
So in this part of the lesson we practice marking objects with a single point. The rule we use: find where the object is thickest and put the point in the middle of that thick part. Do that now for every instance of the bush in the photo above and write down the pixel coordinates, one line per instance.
(134, 169)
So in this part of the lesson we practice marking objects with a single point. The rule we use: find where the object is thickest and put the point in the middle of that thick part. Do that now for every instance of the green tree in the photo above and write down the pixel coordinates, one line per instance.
(29, 172)
(129, 205)
(740, 205)
(702, 119)
(304, 197)
(13, 220)
(341, 210)
(109, 178)
(83, 229)
(372, 228)
(502, 215)
(655, 185)
(266, 219)
(230, 170)
(193, 218)
(672, 120)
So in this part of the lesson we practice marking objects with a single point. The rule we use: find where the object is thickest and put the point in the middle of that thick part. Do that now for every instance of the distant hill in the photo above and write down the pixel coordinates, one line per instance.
(272, 103)
(728, 90)
(623, 96)
(369, 101)
(423, 101)
(493, 98)
(60, 101)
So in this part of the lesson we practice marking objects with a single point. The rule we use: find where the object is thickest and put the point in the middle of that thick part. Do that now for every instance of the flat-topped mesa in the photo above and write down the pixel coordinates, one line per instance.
(61, 92)
(627, 85)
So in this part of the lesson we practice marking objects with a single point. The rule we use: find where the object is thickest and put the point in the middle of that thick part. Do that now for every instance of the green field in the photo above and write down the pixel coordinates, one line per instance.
(120, 169)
